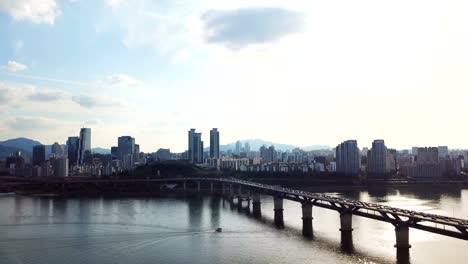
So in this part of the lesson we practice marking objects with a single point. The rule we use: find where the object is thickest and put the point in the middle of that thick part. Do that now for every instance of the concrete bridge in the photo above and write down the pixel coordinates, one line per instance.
(247, 191)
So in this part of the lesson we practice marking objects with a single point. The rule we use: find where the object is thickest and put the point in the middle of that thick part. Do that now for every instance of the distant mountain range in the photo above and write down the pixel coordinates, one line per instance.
(101, 151)
(255, 145)
(25, 145)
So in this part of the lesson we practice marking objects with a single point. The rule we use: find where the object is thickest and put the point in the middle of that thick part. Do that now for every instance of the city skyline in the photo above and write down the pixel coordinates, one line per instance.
(235, 148)
(142, 69)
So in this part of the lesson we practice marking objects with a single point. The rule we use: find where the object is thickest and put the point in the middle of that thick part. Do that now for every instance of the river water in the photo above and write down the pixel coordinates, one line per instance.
(181, 230)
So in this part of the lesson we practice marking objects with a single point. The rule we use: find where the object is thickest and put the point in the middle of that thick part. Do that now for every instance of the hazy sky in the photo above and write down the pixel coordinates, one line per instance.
(299, 72)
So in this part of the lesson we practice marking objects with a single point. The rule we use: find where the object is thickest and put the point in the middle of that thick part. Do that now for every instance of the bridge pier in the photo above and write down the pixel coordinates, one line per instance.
(402, 242)
(184, 185)
(239, 191)
(231, 193)
(346, 221)
(256, 205)
(198, 186)
(248, 197)
(211, 187)
(278, 203)
(239, 203)
(307, 219)
(223, 190)
(402, 236)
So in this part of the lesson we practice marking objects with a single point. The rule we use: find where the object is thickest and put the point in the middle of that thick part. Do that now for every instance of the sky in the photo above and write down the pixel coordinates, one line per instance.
(298, 72)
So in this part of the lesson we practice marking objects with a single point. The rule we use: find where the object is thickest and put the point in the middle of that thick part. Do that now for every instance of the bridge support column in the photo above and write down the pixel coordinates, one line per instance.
(211, 187)
(239, 191)
(198, 186)
(402, 242)
(307, 219)
(231, 193)
(185, 185)
(223, 190)
(278, 203)
(346, 222)
(256, 205)
(402, 236)
(239, 203)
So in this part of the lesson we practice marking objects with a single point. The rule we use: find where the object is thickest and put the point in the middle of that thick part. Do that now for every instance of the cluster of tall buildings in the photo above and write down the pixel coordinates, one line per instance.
(76, 158)
(241, 157)
(195, 152)
(380, 161)
(61, 160)
(377, 158)
(433, 162)
(127, 153)
(348, 158)
(79, 148)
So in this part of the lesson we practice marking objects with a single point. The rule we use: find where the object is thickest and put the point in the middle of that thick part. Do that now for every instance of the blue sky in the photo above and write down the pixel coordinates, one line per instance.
(298, 72)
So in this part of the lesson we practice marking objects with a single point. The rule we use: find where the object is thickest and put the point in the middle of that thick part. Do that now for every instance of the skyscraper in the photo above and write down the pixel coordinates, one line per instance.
(247, 147)
(268, 154)
(195, 147)
(214, 143)
(115, 152)
(39, 155)
(126, 151)
(377, 158)
(61, 167)
(428, 156)
(73, 144)
(238, 147)
(427, 164)
(137, 149)
(136, 154)
(347, 158)
(443, 152)
(126, 145)
(85, 144)
(57, 150)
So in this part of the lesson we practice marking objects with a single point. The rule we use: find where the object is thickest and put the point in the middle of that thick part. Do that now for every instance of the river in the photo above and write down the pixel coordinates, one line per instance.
(181, 230)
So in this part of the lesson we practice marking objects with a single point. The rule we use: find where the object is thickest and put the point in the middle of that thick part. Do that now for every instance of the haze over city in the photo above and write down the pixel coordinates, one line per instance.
(307, 73)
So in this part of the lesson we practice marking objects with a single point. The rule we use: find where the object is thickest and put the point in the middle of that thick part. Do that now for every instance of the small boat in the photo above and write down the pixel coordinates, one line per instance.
(219, 230)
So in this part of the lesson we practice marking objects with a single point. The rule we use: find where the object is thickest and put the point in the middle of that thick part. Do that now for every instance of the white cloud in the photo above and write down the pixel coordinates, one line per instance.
(10, 93)
(161, 25)
(27, 96)
(114, 3)
(44, 129)
(46, 96)
(93, 121)
(32, 123)
(122, 80)
(36, 11)
(88, 101)
(241, 27)
(4, 96)
(15, 96)
(13, 66)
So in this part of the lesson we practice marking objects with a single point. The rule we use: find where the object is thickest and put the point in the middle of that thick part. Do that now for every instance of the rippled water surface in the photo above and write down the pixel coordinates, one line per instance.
(181, 230)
